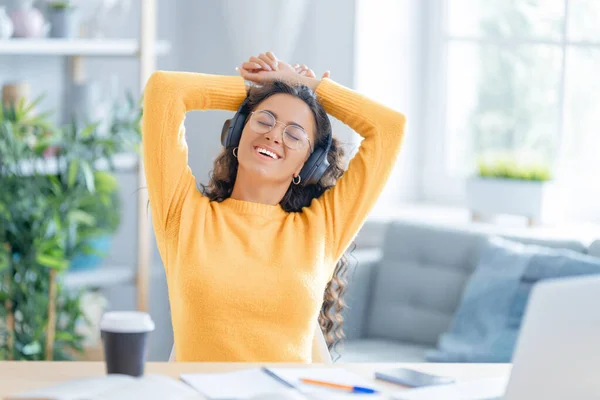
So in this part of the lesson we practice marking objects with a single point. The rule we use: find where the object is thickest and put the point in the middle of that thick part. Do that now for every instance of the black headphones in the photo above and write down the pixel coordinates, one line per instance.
(314, 167)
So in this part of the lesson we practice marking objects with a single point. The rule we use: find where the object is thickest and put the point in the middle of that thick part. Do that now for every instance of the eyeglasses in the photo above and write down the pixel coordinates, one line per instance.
(294, 137)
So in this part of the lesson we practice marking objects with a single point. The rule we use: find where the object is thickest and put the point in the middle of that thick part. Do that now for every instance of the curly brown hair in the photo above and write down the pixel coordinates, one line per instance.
(223, 178)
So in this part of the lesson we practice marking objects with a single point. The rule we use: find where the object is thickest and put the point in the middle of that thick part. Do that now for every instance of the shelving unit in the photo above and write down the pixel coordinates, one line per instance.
(78, 47)
(49, 166)
(107, 276)
(145, 51)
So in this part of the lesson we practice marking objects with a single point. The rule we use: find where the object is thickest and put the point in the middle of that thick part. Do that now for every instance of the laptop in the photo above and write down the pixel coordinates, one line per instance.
(557, 355)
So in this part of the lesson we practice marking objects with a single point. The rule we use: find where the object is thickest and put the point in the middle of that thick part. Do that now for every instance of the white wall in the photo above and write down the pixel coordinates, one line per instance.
(389, 70)
(200, 43)
(326, 43)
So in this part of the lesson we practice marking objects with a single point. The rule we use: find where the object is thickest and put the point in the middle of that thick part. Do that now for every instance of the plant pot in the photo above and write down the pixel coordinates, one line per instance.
(101, 245)
(493, 196)
(15, 92)
(64, 23)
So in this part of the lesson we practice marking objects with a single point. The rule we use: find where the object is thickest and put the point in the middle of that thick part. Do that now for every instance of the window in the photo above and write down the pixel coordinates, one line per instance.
(520, 75)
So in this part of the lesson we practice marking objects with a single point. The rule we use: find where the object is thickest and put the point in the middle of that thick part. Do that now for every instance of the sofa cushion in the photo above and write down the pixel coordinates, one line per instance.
(486, 325)
(361, 265)
(594, 249)
(381, 350)
(419, 281)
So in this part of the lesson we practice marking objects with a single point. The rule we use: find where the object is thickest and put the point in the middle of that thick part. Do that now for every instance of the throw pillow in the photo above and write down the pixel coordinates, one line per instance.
(486, 325)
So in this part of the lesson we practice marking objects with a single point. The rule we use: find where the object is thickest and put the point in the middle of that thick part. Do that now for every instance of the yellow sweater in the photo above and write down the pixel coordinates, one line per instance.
(246, 280)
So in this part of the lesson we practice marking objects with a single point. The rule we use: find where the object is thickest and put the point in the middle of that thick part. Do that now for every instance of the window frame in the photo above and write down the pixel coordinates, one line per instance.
(439, 184)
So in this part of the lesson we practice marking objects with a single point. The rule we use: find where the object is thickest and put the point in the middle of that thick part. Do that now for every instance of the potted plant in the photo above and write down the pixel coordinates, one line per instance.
(47, 217)
(122, 134)
(35, 243)
(63, 18)
(509, 183)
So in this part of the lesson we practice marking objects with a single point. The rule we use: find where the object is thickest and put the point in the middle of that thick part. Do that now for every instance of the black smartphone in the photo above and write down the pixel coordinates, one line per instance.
(412, 378)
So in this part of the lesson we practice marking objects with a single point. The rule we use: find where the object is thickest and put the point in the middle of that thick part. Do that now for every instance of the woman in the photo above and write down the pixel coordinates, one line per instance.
(249, 257)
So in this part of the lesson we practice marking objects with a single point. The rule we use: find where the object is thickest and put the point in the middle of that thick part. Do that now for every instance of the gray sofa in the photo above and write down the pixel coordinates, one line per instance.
(403, 295)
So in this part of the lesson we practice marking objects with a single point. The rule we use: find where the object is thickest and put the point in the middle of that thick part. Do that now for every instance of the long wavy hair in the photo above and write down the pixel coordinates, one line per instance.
(223, 178)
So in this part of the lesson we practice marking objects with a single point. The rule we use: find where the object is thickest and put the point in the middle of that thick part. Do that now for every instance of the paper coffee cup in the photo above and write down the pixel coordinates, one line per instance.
(124, 334)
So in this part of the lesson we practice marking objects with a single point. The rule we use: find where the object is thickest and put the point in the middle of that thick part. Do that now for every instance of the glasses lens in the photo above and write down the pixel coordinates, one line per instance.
(262, 122)
(295, 137)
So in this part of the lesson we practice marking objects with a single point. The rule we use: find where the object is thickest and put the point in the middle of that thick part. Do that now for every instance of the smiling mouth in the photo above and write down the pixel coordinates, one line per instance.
(266, 153)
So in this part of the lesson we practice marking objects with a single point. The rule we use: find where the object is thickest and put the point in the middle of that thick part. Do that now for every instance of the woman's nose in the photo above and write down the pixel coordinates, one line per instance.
(275, 134)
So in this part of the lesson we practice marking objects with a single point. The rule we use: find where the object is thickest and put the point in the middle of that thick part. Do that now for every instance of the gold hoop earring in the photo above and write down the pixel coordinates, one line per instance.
(299, 180)
(235, 152)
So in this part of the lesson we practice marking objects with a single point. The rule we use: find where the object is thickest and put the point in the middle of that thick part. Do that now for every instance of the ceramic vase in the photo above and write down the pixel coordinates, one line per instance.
(28, 21)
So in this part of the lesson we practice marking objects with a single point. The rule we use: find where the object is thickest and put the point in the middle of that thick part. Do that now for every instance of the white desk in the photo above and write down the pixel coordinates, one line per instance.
(16, 377)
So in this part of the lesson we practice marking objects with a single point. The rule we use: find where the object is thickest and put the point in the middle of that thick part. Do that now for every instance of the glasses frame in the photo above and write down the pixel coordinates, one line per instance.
(310, 146)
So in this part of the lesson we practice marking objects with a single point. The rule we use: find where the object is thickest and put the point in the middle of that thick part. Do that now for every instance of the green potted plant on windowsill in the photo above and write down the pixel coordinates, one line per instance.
(509, 183)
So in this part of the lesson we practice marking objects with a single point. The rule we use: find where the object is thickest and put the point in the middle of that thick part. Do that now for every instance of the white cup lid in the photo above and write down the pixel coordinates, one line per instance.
(126, 322)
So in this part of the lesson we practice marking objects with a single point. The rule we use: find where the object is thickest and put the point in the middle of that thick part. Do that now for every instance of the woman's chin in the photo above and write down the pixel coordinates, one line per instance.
(261, 172)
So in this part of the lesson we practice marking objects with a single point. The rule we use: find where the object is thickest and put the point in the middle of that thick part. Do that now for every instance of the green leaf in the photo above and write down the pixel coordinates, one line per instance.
(82, 217)
(4, 211)
(32, 348)
(89, 176)
(52, 262)
(87, 132)
(4, 260)
(66, 336)
(106, 182)
(31, 106)
(19, 109)
(73, 169)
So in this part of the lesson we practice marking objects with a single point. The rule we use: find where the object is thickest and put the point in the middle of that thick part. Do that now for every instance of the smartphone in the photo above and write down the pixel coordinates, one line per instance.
(411, 378)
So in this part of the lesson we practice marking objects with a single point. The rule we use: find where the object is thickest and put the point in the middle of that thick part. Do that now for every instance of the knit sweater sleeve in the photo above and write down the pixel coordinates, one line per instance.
(167, 98)
(347, 205)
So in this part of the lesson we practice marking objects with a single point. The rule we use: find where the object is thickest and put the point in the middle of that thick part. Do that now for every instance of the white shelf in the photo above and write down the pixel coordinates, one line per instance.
(78, 47)
(103, 276)
(49, 166)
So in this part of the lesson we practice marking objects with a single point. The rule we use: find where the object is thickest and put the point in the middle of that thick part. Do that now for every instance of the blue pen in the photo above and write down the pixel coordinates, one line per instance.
(348, 388)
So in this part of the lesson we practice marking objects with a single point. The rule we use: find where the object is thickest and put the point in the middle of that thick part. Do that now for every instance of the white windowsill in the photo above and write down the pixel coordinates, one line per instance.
(461, 218)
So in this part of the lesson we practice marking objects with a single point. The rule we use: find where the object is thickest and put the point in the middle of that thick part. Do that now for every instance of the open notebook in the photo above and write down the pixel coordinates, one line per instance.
(114, 387)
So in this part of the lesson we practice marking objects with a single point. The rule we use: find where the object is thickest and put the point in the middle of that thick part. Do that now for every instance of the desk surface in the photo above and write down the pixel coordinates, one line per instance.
(16, 377)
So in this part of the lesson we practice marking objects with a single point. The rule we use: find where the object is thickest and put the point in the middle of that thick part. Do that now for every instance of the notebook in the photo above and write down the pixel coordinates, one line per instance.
(114, 387)
(249, 383)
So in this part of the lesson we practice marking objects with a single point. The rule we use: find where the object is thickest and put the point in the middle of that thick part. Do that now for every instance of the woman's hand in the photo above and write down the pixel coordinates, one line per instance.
(267, 68)
(304, 70)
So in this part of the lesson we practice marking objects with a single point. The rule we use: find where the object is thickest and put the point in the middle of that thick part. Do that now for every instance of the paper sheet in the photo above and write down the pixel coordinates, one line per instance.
(242, 384)
(334, 375)
(115, 387)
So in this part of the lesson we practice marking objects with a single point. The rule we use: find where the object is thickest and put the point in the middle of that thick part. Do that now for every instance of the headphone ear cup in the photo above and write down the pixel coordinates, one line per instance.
(314, 167)
(232, 128)
(225, 134)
